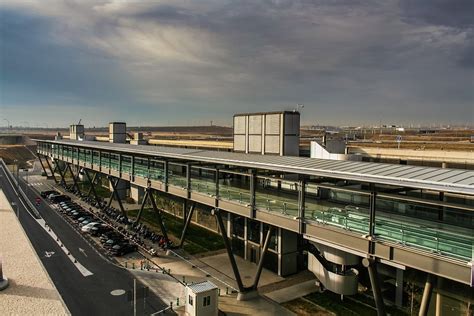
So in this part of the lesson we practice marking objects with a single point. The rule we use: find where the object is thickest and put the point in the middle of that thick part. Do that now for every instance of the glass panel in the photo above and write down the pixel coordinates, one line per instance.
(177, 175)
(114, 161)
(82, 156)
(234, 187)
(126, 164)
(157, 170)
(105, 160)
(417, 225)
(347, 210)
(141, 167)
(253, 231)
(203, 180)
(88, 156)
(238, 226)
(277, 195)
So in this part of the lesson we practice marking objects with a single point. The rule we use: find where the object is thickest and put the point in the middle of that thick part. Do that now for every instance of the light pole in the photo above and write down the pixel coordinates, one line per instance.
(17, 209)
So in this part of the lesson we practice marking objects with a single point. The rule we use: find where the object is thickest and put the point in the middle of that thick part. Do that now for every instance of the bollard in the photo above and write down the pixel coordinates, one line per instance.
(68, 253)
(226, 290)
(219, 291)
(75, 261)
(171, 305)
(169, 271)
(177, 301)
(126, 264)
(184, 279)
(133, 265)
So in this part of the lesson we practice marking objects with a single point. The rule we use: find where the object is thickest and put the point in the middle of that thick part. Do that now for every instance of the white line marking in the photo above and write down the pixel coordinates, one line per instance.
(50, 232)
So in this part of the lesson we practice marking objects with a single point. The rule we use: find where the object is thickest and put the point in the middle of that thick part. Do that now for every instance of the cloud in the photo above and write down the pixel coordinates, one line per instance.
(346, 60)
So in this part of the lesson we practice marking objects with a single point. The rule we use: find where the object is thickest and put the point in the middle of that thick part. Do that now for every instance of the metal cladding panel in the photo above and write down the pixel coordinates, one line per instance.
(272, 124)
(255, 143)
(292, 146)
(255, 124)
(272, 144)
(239, 125)
(292, 124)
(239, 142)
(120, 128)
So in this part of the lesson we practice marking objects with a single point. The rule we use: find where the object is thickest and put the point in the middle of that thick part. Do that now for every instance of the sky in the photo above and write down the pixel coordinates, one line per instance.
(350, 62)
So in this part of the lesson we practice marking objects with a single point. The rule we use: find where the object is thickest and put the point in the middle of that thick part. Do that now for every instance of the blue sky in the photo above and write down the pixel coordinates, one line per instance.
(189, 62)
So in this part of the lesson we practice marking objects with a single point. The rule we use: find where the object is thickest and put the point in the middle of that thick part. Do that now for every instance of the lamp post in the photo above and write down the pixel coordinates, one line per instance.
(17, 209)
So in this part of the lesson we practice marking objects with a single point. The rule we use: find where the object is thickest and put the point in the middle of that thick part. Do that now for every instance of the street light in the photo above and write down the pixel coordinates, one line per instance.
(17, 209)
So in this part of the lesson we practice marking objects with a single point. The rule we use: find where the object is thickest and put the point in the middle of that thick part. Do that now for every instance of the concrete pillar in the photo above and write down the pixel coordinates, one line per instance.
(444, 165)
(122, 187)
(439, 298)
(399, 288)
(136, 193)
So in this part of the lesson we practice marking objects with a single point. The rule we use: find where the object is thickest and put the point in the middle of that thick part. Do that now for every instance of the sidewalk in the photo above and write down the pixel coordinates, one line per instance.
(31, 291)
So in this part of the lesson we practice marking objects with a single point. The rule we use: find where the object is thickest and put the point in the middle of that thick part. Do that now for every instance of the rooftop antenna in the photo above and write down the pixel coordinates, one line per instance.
(79, 123)
(299, 107)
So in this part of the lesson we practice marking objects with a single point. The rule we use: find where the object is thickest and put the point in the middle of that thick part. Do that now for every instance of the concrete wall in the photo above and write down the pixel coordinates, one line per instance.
(117, 132)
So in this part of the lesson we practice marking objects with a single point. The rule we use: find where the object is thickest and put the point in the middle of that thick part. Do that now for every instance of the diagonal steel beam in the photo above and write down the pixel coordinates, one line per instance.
(92, 182)
(139, 215)
(42, 166)
(186, 224)
(61, 173)
(262, 257)
(228, 247)
(158, 213)
(74, 178)
(115, 193)
(51, 169)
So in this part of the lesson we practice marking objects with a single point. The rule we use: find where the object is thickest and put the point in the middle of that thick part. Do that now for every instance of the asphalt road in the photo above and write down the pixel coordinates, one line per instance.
(83, 295)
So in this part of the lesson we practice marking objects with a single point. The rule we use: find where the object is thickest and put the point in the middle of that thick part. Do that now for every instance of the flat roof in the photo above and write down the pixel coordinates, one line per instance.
(429, 178)
(201, 287)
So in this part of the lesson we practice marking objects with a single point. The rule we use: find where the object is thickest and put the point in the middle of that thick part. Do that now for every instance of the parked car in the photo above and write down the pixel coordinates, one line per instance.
(44, 194)
(98, 230)
(59, 198)
(123, 249)
(106, 236)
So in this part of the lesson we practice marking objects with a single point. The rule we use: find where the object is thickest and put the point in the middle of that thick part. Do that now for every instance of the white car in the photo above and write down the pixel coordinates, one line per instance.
(87, 228)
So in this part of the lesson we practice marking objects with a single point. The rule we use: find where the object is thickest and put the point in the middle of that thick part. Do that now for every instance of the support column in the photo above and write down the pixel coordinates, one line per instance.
(142, 206)
(399, 288)
(158, 213)
(52, 171)
(372, 201)
(439, 297)
(92, 182)
(114, 193)
(186, 224)
(228, 247)
(374, 282)
(425, 300)
(262, 257)
(74, 178)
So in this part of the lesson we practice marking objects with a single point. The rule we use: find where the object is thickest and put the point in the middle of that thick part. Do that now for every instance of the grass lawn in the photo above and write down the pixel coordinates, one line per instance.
(197, 239)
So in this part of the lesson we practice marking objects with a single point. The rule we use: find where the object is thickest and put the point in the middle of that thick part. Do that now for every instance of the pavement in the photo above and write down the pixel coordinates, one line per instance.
(30, 290)
(95, 293)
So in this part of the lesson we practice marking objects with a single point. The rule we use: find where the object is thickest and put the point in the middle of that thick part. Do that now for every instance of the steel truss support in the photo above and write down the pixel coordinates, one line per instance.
(62, 173)
(145, 197)
(425, 300)
(186, 224)
(158, 213)
(42, 166)
(235, 269)
(115, 194)
(374, 282)
(51, 169)
(92, 182)
(75, 177)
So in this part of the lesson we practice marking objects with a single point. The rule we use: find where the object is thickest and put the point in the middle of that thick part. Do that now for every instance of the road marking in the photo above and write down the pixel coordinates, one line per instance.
(117, 292)
(49, 231)
(48, 254)
(83, 251)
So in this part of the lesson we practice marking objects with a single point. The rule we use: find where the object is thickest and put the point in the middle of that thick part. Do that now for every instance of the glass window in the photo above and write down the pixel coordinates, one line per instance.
(190, 300)
(253, 231)
(206, 301)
